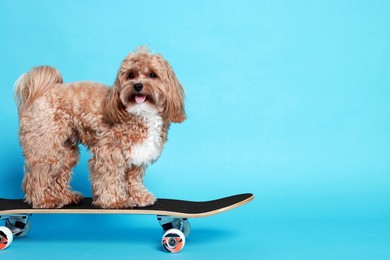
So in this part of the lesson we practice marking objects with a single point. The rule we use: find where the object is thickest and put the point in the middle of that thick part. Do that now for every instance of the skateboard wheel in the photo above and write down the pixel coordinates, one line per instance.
(6, 237)
(173, 240)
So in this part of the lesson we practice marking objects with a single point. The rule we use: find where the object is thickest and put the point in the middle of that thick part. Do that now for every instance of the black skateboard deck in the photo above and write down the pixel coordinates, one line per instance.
(172, 215)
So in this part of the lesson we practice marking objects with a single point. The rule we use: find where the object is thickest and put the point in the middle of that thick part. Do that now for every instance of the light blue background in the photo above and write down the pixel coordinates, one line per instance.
(285, 99)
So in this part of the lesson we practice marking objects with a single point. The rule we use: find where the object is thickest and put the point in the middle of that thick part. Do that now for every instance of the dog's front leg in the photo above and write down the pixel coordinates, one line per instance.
(108, 179)
(137, 192)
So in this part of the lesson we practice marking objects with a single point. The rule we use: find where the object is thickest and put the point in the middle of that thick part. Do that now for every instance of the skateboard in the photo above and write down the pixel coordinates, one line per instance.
(172, 215)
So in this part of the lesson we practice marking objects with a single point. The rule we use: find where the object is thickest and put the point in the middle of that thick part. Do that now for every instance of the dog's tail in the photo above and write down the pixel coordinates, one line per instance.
(33, 84)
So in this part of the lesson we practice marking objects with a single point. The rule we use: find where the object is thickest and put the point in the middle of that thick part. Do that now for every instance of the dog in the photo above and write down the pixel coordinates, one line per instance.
(124, 126)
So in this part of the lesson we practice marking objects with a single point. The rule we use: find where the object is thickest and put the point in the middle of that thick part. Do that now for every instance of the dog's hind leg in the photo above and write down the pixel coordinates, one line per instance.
(47, 182)
(63, 178)
(48, 169)
(37, 184)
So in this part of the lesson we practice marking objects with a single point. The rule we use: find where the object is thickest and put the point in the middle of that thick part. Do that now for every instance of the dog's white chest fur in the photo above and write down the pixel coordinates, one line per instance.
(149, 149)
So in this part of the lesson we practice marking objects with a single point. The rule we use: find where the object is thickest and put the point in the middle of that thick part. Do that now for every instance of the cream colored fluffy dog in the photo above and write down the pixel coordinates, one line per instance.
(125, 128)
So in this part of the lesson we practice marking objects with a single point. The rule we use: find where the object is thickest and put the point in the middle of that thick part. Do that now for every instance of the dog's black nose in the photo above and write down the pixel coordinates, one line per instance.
(138, 87)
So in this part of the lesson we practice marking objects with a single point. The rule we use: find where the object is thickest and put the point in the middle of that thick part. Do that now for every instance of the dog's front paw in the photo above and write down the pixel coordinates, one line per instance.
(149, 199)
(143, 200)
(72, 197)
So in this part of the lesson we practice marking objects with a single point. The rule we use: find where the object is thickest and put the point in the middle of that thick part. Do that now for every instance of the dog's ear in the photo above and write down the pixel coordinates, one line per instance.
(174, 110)
(114, 110)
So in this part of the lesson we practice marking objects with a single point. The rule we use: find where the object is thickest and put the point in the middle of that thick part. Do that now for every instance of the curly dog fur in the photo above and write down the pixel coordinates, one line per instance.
(124, 127)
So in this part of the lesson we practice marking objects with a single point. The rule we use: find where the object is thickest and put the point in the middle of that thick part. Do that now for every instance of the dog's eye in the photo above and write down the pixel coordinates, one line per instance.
(153, 75)
(131, 75)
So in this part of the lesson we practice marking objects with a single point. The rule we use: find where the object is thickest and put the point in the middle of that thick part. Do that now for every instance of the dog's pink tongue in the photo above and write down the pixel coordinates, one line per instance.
(139, 99)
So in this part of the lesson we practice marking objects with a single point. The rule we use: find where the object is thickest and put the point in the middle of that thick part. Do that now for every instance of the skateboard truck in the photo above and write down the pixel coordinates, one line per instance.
(18, 224)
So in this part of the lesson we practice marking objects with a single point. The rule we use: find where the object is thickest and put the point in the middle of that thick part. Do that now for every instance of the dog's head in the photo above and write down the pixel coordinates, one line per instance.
(145, 83)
